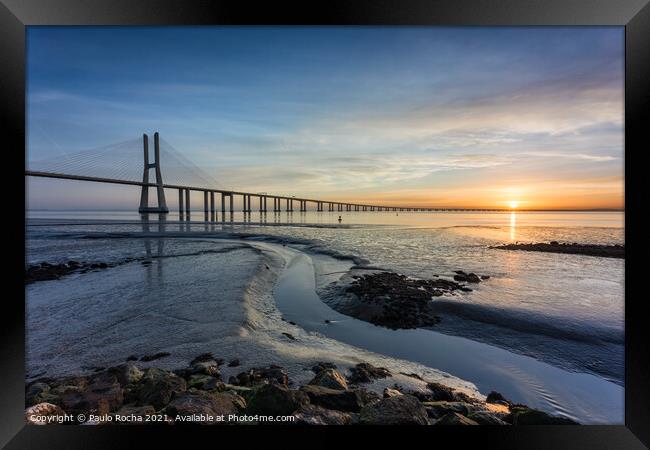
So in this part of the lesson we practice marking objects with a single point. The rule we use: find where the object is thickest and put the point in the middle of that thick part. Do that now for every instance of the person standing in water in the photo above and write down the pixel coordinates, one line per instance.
(340, 219)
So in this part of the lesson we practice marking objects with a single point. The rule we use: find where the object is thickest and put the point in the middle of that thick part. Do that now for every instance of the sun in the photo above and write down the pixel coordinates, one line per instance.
(513, 204)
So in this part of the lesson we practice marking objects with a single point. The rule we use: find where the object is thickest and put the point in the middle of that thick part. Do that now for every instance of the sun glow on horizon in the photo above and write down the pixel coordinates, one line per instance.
(513, 204)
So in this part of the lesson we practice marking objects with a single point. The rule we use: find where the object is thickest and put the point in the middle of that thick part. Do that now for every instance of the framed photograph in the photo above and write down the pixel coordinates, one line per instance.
(325, 219)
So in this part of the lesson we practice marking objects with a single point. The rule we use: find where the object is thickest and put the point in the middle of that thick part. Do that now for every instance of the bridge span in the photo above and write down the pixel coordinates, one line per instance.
(226, 196)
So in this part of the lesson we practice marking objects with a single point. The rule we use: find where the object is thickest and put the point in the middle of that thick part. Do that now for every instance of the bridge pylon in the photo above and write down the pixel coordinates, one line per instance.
(144, 196)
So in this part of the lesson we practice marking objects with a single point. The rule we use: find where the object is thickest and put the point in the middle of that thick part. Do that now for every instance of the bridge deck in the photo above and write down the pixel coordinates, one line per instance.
(227, 192)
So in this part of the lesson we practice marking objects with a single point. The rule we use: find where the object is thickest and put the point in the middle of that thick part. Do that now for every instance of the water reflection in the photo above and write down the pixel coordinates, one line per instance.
(513, 225)
(161, 221)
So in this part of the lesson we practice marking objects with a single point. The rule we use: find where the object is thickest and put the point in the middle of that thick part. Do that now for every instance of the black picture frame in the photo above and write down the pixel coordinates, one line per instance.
(634, 15)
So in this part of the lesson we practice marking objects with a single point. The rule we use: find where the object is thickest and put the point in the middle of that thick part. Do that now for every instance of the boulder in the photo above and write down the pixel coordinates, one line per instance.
(497, 398)
(441, 392)
(390, 392)
(275, 400)
(38, 414)
(364, 373)
(155, 356)
(208, 404)
(330, 378)
(40, 393)
(209, 367)
(322, 366)
(125, 373)
(454, 418)
(233, 363)
(261, 375)
(336, 399)
(158, 387)
(399, 410)
(317, 415)
(101, 397)
(204, 382)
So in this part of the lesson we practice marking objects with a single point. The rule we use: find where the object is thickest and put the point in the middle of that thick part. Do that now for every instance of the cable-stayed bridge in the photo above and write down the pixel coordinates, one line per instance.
(131, 163)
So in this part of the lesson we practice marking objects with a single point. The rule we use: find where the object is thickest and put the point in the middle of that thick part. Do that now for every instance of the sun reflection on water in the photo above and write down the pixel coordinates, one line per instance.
(513, 225)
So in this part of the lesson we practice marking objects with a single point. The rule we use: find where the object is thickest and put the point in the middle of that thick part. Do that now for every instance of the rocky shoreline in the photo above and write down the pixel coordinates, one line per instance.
(334, 396)
(606, 251)
(397, 301)
(47, 271)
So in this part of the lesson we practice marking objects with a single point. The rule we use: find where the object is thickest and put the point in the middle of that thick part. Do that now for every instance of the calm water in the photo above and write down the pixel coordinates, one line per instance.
(564, 310)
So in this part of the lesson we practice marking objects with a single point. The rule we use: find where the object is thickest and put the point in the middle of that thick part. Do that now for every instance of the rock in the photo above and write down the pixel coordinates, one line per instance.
(206, 367)
(364, 373)
(396, 301)
(441, 392)
(289, 335)
(208, 404)
(330, 378)
(245, 392)
(328, 321)
(234, 363)
(276, 400)
(40, 393)
(203, 357)
(100, 397)
(485, 418)
(389, 392)
(367, 397)
(413, 375)
(467, 277)
(262, 375)
(399, 410)
(440, 408)
(38, 414)
(453, 418)
(126, 373)
(322, 366)
(154, 356)
(495, 397)
(316, 415)
(204, 382)
(132, 358)
(608, 251)
(336, 399)
(528, 416)
(158, 387)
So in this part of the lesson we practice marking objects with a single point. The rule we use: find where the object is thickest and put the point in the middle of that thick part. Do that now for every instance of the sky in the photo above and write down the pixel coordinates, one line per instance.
(419, 116)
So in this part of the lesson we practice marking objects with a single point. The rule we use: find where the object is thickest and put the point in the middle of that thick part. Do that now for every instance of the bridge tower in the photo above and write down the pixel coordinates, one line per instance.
(144, 197)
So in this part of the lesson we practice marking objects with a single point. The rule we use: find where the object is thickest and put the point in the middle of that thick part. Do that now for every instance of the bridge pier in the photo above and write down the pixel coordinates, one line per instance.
(187, 203)
(205, 205)
(180, 204)
(160, 191)
(213, 213)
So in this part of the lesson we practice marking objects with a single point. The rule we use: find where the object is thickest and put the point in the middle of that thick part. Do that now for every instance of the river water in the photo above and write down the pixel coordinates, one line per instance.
(545, 329)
